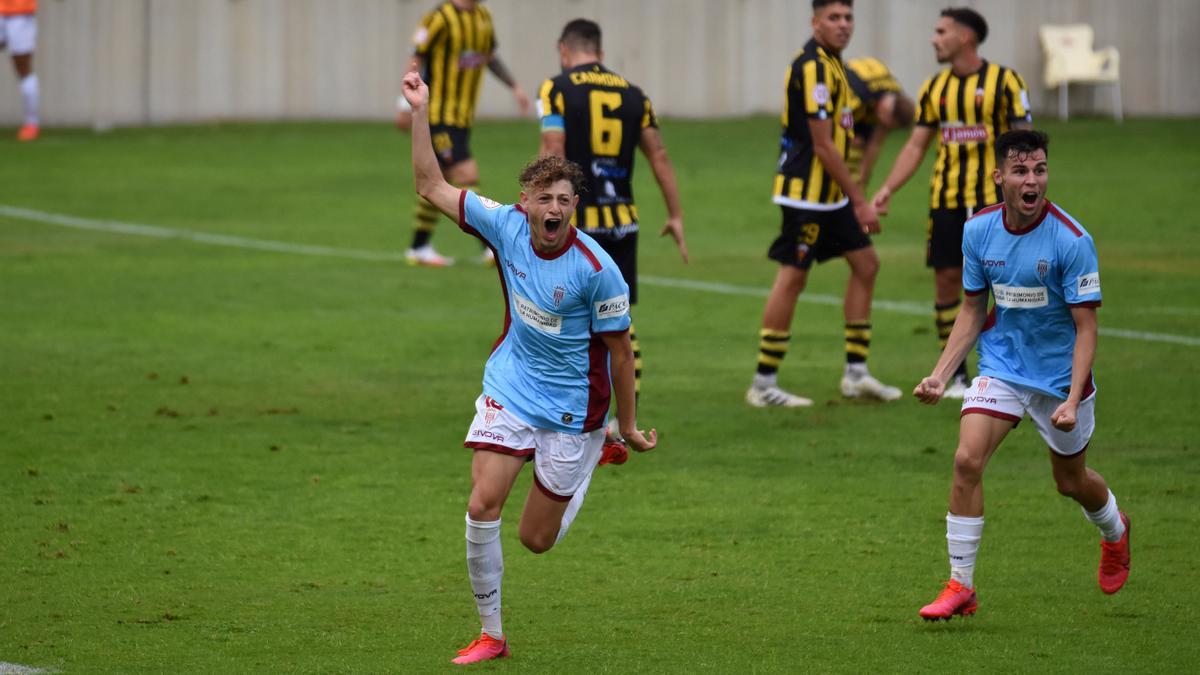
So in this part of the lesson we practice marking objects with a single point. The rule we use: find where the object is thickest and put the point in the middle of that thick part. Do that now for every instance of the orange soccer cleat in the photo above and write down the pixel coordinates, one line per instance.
(613, 452)
(29, 132)
(483, 649)
(1114, 561)
(954, 599)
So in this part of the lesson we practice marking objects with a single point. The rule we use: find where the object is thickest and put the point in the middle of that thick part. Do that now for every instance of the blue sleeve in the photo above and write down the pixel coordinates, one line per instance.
(482, 217)
(610, 301)
(1081, 272)
(973, 280)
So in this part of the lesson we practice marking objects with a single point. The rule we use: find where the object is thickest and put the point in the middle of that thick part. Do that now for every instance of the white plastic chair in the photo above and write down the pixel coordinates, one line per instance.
(1071, 59)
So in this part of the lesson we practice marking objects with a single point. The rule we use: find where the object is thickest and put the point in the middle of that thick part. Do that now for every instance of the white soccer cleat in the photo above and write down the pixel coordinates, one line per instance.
(427, 257)
(767, 397)
(957, 388)
(869, 387)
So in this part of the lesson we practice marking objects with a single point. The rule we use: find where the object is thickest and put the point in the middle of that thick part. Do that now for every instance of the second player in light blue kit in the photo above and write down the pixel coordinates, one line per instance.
(1036, 350)
(564, 349)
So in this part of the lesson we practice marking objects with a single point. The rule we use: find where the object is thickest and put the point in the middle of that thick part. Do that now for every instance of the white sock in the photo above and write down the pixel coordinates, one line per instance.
(765, 381)
(29, 93)
(485, 565)
(573, 507)
(856, 371)
(962, 539)
(1108, 519)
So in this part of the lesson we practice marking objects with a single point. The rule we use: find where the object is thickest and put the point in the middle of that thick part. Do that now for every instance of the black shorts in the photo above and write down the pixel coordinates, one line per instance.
(623, 251)
(808, 236)
(450, 144)
(943, 238)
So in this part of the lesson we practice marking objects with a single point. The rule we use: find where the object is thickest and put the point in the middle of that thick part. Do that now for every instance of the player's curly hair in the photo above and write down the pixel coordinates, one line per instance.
(550, 169)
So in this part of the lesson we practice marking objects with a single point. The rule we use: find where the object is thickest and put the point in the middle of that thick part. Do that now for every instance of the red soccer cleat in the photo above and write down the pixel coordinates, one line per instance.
(29, 132)
(1114, 561)
(483, 649)
(954, 599)
(613, 452)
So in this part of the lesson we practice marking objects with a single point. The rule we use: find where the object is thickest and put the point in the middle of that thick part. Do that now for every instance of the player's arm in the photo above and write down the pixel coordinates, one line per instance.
(821, 132)
(1086, 329)
(906, 164)
(427, 175)
(620, 350)
(871, 152)
(553, 143)
(655, 150)
(967, 328)
(403, 109)
(501, 71)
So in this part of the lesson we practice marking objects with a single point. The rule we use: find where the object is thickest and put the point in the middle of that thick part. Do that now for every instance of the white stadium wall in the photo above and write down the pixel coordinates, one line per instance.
(130, 62)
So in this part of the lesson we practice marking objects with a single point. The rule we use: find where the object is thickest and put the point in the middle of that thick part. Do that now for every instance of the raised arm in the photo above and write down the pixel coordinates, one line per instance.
(905, 166)
(427, 175)
(655, 150)
(621, 367)
(821, 132)
(967, 328)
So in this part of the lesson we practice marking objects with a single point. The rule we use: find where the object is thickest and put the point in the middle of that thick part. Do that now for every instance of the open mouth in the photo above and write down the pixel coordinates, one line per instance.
(552, 225)
(1030, 198)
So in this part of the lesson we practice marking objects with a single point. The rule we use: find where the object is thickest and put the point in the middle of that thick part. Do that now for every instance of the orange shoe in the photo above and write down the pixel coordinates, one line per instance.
(29, 132)
(1114, 561)
(613, 452)
(954, 599)
(483, 649)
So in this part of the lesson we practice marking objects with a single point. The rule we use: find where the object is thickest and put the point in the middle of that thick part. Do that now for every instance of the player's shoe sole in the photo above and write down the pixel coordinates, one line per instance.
(954, 600)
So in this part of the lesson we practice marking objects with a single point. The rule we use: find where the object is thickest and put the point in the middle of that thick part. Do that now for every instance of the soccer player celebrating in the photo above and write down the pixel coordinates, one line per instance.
(825, 211)
(595, 118)
(547, 384)
(453, 44)
(967, 105)
(1035, 358)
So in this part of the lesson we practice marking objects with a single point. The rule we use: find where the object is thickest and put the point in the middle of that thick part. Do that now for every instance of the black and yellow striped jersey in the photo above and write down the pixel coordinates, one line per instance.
(816, 89)
(869, 79)
(454, 46)
(602, 116)
(970, 112)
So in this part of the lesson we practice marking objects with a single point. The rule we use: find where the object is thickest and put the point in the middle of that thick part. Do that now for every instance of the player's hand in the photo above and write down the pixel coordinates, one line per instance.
(521, 99)
(867, 217)
(674, 227)
(414, 89)
(641, 440)
(1063, 418)
(930, 390)
(881, 200)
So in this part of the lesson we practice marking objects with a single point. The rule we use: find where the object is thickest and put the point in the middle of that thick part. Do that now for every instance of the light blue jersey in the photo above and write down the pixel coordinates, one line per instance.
(550, 366)
(1035, 275)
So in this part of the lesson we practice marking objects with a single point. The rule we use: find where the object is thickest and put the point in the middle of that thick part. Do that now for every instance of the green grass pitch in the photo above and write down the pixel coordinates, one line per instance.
(227, 459)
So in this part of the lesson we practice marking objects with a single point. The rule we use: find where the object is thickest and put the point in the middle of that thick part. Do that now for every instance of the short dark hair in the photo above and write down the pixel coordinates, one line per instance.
(545, 171)
(818, 4)
(1021, 142)
(969, 18)
(904, 110)
(581, 35)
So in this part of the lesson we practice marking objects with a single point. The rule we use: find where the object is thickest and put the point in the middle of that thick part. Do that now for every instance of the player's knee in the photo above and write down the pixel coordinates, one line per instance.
(538, 542)
(1068, 486)
(968, 465)
(481, 509)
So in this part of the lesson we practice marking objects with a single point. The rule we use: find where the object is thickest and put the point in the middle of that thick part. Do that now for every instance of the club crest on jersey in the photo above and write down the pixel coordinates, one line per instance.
(1043, 266)
(979, 97)
(820, 93)
(847, 117)
(559, 294)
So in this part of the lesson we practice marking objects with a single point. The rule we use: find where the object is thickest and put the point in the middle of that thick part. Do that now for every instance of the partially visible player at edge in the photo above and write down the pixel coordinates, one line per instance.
(825, 211)
(546, 386)
(1035, 358)
(450, 49)
(968, 105)
(18, 34)
(595, 118)
(880, 106)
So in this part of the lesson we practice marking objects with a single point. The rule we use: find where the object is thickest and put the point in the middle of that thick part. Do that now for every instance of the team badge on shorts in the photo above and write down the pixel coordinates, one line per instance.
(984, 381)
(493, 409)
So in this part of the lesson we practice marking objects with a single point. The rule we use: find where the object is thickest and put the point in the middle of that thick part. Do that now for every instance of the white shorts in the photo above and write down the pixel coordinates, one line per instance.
(18, 33)
(1002, 400)
(562, 462)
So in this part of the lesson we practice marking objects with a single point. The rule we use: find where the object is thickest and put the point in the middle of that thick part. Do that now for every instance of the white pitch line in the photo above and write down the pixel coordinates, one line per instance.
(894, 306)
(7, 668)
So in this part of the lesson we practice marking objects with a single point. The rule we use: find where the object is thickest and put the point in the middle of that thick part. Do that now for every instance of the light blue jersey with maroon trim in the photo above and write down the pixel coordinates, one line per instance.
(550, 366)
(1035, 276)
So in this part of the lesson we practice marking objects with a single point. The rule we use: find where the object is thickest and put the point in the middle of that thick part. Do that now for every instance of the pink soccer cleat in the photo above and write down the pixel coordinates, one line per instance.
(954, 599)
(483, 649)
(1114, 561)
(27, 133)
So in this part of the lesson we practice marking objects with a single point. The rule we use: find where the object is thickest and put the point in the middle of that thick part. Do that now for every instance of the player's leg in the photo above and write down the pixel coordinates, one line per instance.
(857, 380)
(981, 430)
(623, 251)
(21, 38)
(425, 215)
(1074, 479)
(944, 256)
(799, 232)
(563, 468)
